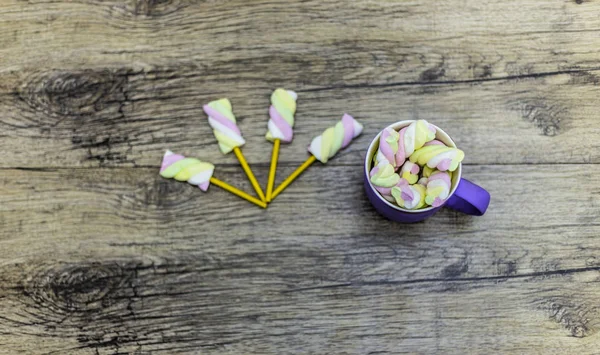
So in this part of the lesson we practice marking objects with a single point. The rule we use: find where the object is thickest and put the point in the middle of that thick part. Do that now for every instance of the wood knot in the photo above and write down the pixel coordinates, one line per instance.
(459, 267)
(576, 318)
(78, 290)
(153, 7)
(161, 193)
(140, 9)
(506, 267)
(88, 107)
(547, 117)
(455, 270)
(101, 147)
(584, 78)
(433, 74)
(481, 71)
(60, 94)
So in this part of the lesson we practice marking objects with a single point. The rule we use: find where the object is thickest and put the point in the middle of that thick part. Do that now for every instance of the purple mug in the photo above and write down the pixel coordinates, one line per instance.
(465, 196)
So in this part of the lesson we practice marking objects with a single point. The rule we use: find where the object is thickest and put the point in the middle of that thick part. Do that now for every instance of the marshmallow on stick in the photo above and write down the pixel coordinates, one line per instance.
(281, 124)
(325, 146)
(335, 138)
(281, 112)
(229, 137)
(224, 125)
(198, 173)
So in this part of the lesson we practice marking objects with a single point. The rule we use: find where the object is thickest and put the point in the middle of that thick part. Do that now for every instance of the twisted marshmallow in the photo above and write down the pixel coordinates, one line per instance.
(282, 110)
(433, 142)
(437, 156)
(411, 197)
(180, 168)
(427, 171)
(223, 123)
(410, 172)
(383, 177)
(416, 135)
(438, 188)
(325, 146)
(391, 148)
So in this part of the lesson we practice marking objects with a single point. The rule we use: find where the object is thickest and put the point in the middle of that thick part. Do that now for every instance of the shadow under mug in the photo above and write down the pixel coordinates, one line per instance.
(465, 196)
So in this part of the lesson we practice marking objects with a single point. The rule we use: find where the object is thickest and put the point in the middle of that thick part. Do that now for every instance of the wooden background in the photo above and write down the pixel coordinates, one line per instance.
(99, 255)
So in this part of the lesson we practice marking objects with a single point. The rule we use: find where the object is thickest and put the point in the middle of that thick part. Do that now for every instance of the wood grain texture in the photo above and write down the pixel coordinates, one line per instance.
(102, 256)
(105, 118)
(85, 104)
(140, 263)
(313, 42)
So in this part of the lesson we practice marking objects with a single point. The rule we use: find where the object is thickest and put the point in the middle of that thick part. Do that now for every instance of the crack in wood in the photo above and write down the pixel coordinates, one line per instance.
(562, 272)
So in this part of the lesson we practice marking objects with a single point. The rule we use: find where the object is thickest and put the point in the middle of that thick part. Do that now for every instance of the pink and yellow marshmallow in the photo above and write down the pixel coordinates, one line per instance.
(410, 172)
(438, 188)
(411, 197)
(440, 157)
(383, 177)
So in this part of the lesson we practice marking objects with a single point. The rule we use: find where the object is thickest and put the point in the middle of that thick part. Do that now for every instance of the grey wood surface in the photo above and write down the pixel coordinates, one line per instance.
(99, 255)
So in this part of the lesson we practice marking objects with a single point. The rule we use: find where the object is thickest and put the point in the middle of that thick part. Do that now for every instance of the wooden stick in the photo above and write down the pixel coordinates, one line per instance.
(293, 176)
(234, 190)
(272, 171)
(248, 171)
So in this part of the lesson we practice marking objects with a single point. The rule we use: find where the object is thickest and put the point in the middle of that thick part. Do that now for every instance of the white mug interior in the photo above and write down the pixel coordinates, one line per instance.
(440, 135)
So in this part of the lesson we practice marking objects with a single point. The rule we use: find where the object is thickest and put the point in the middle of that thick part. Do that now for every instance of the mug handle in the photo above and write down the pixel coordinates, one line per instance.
(469, 198)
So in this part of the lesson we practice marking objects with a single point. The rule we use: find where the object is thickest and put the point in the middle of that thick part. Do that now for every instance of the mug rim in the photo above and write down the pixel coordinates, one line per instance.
(371, 153)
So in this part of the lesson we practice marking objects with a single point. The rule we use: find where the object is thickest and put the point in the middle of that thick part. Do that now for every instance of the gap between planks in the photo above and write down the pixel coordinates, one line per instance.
(261, 165)
(395, 84)
(560, 272)
(453, 82)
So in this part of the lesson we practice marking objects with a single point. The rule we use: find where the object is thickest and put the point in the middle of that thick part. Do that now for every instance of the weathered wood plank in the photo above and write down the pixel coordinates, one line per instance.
(531, 222)
(100, 255)
(130, 77)
(530, 228)
(120, 260)
(190, 305)
(313, 43)
(122, 118)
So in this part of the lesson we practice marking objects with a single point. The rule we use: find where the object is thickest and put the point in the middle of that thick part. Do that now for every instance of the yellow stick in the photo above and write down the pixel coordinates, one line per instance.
(293, 177)
(234, 190)
(273, 169)
(246, 167)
